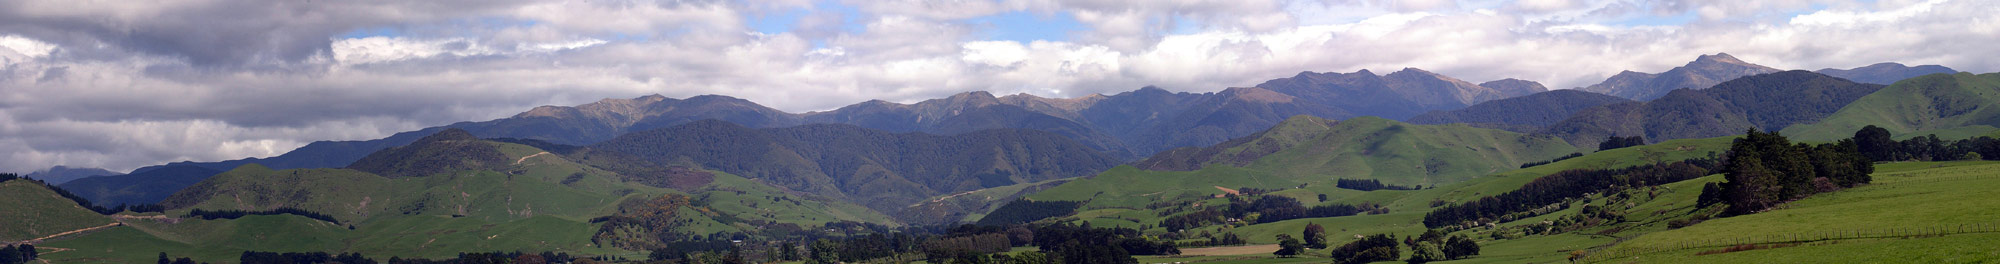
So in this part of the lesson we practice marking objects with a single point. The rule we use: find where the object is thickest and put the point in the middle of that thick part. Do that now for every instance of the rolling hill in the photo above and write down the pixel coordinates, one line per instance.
(32, 211)
(1766, 101)
(1957, 105)
(533, 201)
(1703, 72)
(882, 170)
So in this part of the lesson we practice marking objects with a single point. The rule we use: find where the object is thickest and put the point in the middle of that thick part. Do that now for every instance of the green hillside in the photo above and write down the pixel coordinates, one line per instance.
(1311, 149)
(1951, 105)
(1913, 212)
(1130, 197)
(537, 201)
(32, 211)
(1314, 152)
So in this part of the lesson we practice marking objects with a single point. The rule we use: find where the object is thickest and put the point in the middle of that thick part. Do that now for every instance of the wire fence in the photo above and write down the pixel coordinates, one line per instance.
(1791, 238)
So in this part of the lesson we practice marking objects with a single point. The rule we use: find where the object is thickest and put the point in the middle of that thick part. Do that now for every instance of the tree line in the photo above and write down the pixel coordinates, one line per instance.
(1876, 143)
(1367, 185)
(1766, 169)
(12, 254)
(1264, 209)
(1563, 186)
(234, 214)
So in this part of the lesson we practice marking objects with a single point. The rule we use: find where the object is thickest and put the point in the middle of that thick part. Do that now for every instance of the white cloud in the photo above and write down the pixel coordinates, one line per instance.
(1849, 18)
(27, 48)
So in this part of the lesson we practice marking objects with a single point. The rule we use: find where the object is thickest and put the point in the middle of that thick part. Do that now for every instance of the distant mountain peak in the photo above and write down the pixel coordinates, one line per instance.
(1712, 62)
(1515, 87)
(1719, 58)
(1413, 70)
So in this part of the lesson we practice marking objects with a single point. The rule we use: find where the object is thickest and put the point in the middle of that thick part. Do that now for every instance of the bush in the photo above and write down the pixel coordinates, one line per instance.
(1381, 247)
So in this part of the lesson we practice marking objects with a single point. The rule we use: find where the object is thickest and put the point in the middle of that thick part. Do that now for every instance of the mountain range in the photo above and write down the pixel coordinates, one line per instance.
(1524, 114)
(1125, 126)
(60, 174)
(1766, 102)
(1703, 72)
(1885, 73)
(878, 169)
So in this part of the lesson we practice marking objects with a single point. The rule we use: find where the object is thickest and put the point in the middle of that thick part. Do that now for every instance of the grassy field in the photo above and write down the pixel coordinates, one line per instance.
(1913, 212)
(1948, 105)
(33, 211)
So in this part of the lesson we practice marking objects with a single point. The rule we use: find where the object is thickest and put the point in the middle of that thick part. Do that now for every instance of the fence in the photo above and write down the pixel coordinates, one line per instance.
(1802, 237)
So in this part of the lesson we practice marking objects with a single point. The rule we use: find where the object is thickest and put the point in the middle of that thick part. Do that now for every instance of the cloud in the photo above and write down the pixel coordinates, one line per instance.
(123, 85)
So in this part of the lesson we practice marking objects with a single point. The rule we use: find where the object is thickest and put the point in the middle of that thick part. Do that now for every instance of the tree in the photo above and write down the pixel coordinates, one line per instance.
(164, 260)
(1875, 143)
(11, 255)
(1425, 252)
(1971, 156)
(1288, 246)
(1617, 142)
(1315, 236)
(1460, 247)
(823, 252)
(1381, 247)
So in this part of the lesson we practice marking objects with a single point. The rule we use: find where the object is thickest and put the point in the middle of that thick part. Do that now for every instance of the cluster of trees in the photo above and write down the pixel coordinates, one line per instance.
(255, 257)
(1315, 237)
(1381, 247)
(1875, 143)
(17, 254)
(1435, 245)
(1022, 211)
(1562, 186)
(234, 214)
(1617, 142)
(1571, 155)
(694, 248)
(501, 257)
(1265, 209)
(860, 248)
(1766, 169)
(1367, 185)
(944, 249)
(1084, 244)
(1226, 239)
(644, 224)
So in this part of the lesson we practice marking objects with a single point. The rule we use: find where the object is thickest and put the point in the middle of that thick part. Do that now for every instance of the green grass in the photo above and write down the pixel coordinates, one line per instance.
(1904, 198)
(1121, 195)
(1952, 106)
(543, 203)
(32, 211)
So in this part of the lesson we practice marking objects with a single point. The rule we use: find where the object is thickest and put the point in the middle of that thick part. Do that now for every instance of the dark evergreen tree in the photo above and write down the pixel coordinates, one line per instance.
(1460, 247)
(1315, 236)
(1876, 143)
(1288, 246)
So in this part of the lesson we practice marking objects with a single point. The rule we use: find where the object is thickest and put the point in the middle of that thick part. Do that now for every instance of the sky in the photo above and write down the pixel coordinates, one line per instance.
(125, 84)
